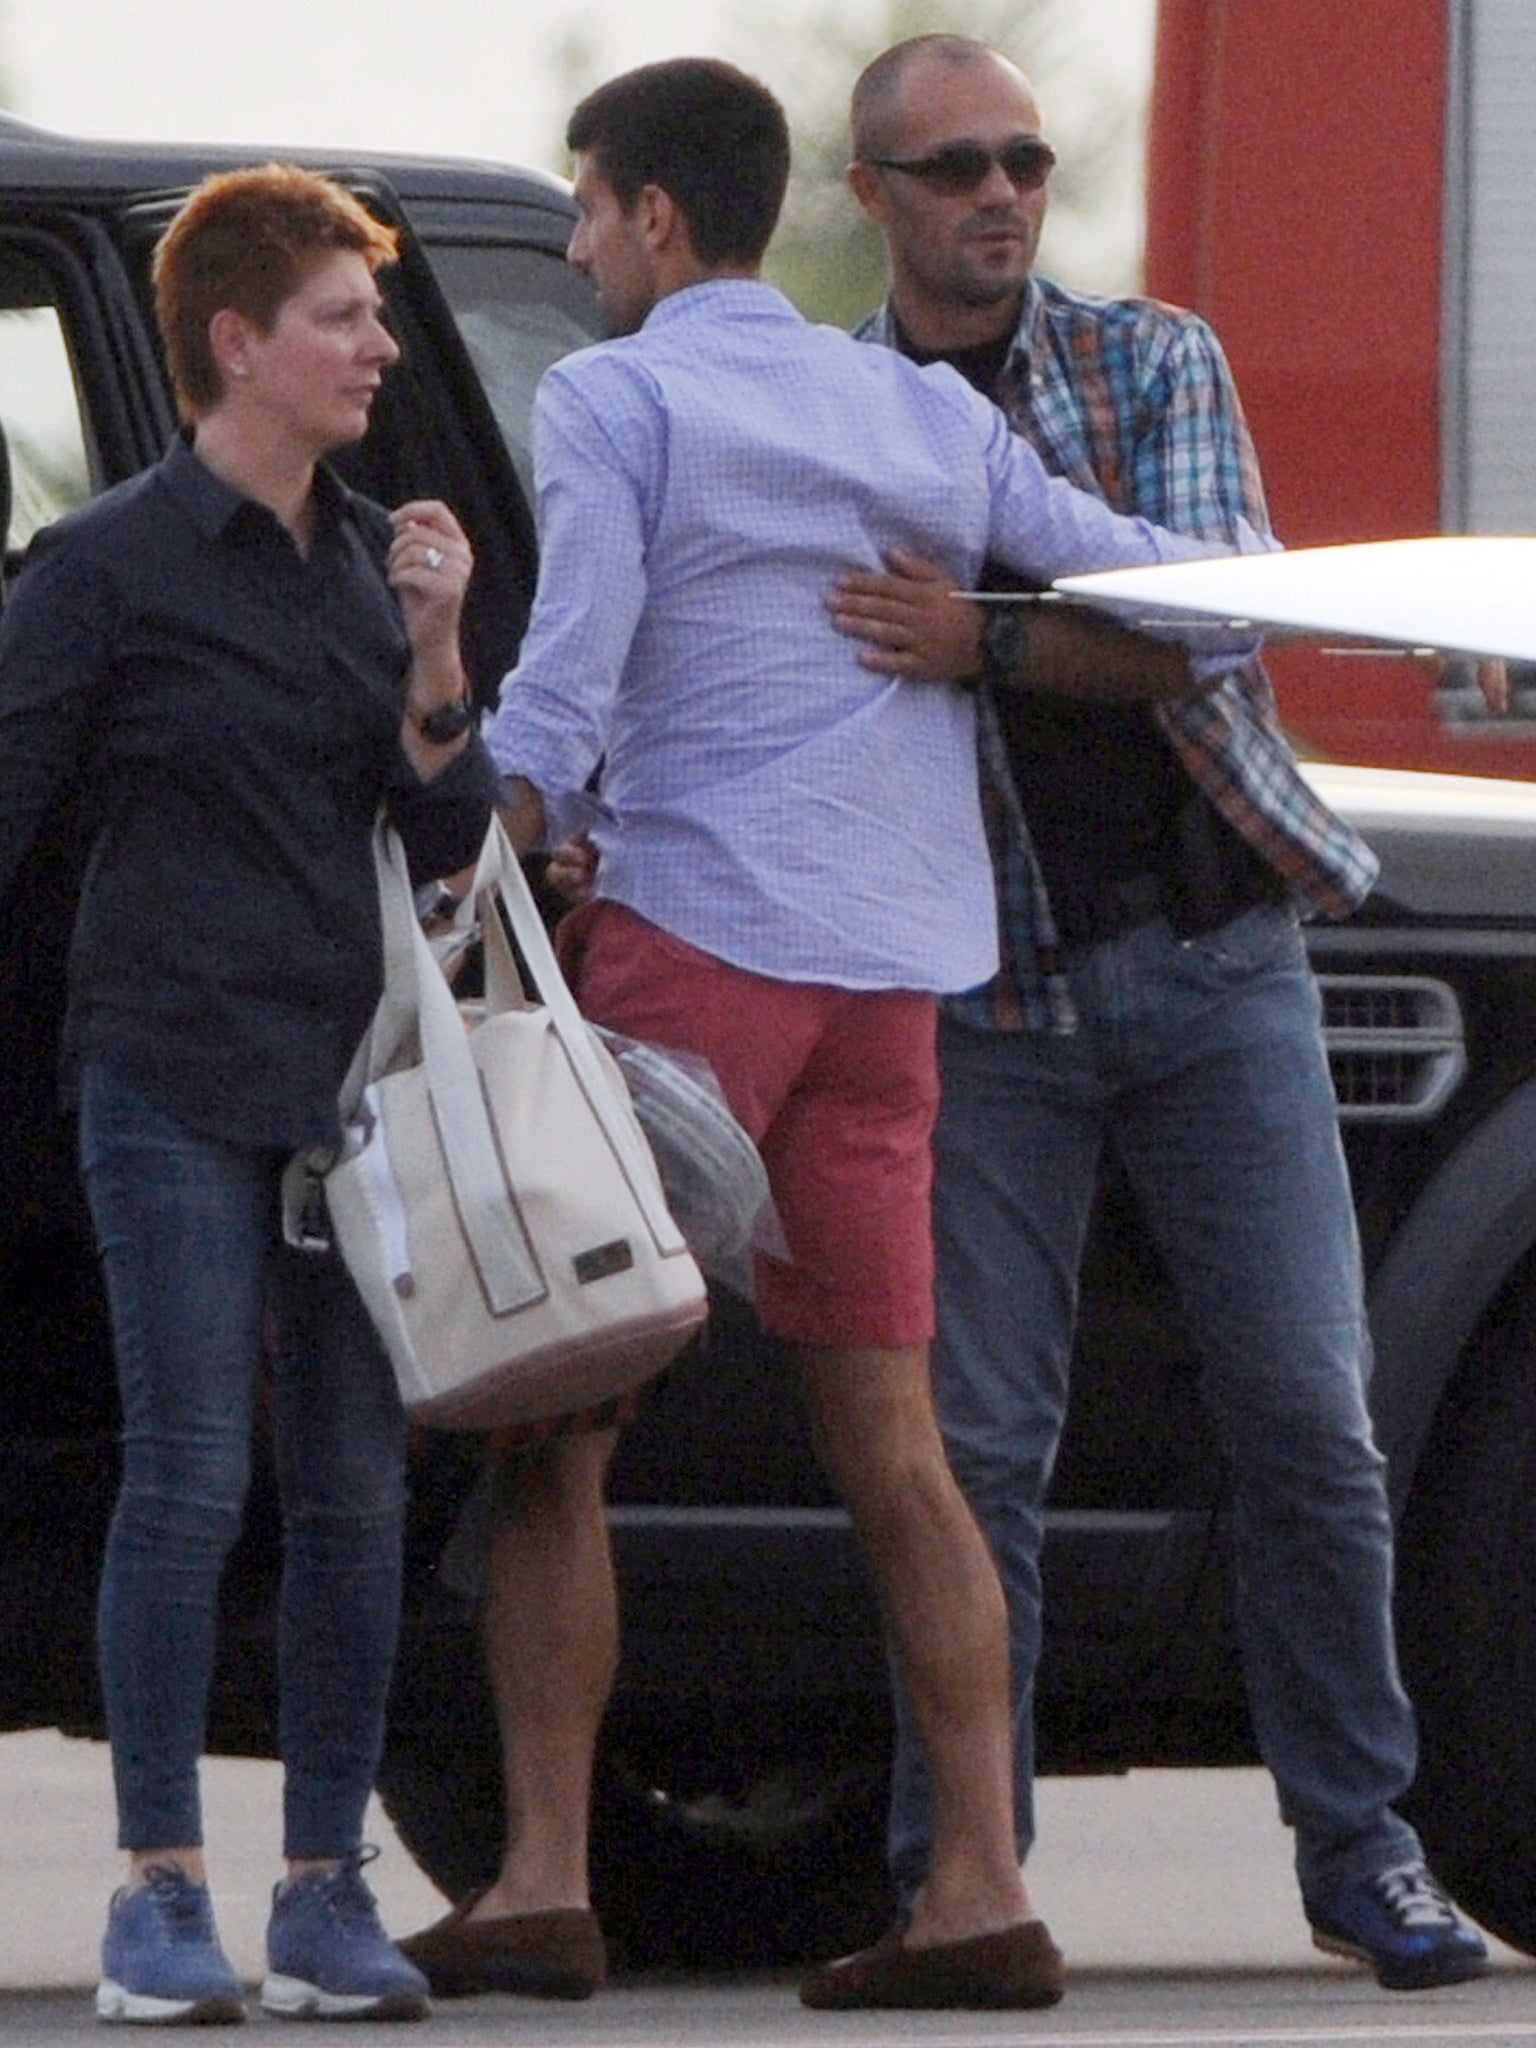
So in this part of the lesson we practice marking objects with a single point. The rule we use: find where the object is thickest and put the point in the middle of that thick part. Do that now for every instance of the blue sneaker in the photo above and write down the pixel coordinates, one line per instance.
(1401, 1923)
(329, 1959)
(161, 1961)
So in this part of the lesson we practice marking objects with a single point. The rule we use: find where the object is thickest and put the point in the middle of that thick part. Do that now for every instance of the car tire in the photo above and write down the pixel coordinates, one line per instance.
(1467, 1624)
(771, 1861)
(783, 1870)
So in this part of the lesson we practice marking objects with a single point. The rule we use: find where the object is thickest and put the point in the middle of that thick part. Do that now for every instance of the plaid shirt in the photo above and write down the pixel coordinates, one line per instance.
(1134, 400)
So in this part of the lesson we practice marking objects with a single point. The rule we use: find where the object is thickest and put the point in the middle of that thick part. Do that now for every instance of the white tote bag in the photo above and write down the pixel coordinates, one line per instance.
(494, 1198)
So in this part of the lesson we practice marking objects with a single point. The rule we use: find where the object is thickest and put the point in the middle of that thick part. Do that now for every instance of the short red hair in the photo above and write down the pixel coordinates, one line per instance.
(246, 240)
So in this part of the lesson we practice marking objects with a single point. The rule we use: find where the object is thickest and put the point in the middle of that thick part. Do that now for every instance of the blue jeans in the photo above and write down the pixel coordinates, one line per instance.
(1202, 1064)
(188, 1231)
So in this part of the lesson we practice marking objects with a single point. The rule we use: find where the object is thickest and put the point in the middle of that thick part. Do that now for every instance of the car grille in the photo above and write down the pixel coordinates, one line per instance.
(1395, 1045)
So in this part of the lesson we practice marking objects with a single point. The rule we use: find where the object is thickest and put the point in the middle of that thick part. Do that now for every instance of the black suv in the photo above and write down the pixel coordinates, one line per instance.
(743, 1762)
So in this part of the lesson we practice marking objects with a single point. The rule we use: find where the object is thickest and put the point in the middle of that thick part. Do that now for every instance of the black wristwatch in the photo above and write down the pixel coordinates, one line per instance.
(1005, 637)
(447, 723)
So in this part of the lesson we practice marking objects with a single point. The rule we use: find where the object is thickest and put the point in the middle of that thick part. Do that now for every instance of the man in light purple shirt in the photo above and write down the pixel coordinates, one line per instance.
(702, 482)
(792, 868)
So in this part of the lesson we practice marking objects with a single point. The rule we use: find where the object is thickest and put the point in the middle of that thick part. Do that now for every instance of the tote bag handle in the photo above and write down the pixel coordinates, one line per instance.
(499, 879)
(417, 1003)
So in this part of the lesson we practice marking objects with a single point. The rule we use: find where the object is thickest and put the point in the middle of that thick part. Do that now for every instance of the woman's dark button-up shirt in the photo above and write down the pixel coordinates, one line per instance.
(233, 711)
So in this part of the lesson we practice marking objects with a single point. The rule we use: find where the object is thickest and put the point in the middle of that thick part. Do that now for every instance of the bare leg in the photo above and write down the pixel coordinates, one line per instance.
(551, 1644)
(189, 1860)
(872, 1414)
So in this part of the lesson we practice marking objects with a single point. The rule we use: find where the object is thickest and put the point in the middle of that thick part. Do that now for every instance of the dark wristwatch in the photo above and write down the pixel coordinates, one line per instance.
(447, 723)
(1005, 637)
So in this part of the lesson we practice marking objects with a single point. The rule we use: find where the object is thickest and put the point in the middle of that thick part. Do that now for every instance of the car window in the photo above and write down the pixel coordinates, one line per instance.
(517, 311)
(46, 446)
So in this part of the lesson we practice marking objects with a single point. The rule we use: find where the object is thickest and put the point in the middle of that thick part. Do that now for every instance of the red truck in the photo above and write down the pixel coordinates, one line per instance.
(1344, 192)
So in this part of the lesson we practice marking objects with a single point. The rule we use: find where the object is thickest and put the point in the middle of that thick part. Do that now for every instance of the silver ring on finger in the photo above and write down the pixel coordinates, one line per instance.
(434, 558)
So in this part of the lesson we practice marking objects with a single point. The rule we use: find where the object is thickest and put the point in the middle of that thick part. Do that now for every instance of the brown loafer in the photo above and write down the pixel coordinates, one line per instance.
(1017, 1967)
(555, 1954)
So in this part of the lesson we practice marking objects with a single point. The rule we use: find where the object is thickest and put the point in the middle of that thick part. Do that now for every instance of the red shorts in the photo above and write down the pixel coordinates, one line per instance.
(839, 1088)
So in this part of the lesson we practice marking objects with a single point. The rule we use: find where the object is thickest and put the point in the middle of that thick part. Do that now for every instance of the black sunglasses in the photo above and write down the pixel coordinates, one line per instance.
(963, 166)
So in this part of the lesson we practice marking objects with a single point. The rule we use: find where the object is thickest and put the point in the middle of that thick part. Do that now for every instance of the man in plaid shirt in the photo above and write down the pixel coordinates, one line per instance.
(1152, 841)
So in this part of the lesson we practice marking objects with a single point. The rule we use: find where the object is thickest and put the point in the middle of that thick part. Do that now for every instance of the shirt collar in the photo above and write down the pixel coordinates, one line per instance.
(721, 294)
(1024, 334)
(213, 505)
(881, 326)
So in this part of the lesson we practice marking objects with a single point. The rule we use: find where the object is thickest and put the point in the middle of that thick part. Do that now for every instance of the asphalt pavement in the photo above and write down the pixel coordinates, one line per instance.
(1170, 1892)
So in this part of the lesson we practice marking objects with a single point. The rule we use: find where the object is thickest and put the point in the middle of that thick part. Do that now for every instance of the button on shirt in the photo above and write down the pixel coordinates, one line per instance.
(701, 485)
(233, 712)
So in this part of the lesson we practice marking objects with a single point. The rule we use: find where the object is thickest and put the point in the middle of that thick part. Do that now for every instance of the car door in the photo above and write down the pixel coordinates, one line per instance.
(82, 405)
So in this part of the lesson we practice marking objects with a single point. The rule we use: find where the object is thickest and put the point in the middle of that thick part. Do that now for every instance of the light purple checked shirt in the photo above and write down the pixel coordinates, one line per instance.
(701, 485)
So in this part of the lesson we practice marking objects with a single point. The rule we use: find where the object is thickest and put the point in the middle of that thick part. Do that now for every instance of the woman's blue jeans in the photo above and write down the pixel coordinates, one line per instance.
(201, 1290)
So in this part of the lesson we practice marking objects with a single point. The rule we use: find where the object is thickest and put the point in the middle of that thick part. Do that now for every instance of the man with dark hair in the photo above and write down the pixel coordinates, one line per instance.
(1155, 997)
(705, 134)
(792, 865)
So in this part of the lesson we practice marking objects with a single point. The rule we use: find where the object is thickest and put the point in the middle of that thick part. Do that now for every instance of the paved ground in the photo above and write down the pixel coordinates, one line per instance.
(1170, 1892)
(1311, 2009)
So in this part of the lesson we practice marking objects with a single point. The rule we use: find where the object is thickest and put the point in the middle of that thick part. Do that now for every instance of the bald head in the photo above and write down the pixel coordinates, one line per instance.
(883, 87)
(950, 164)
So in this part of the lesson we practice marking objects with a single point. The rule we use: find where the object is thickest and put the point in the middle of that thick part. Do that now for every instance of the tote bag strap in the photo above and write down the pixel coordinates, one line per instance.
(393, 1023)
(499, 878)
(417, 993)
